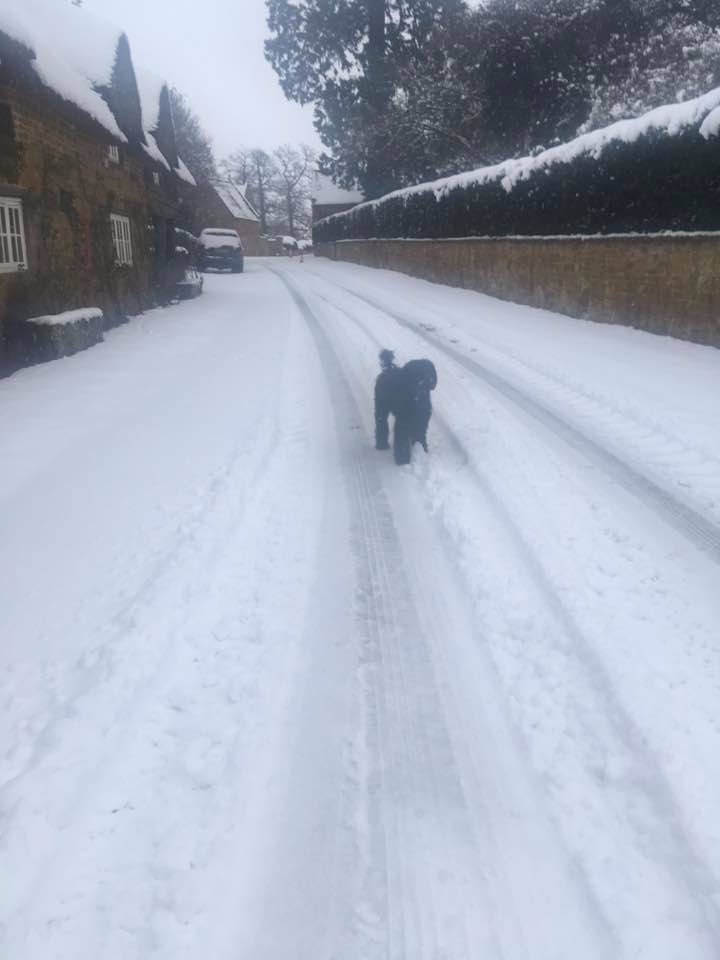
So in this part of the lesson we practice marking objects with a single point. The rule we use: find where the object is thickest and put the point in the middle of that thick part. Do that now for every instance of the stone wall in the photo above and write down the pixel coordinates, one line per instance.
(668, 284)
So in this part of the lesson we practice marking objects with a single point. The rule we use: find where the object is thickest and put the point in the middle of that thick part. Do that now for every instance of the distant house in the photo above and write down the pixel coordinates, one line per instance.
(89, 171)
(222, 203)
(329, 198)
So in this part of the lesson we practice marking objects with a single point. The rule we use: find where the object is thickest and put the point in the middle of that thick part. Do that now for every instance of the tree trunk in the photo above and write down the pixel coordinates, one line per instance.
(261, 201)
(377, 163)
(290, 217)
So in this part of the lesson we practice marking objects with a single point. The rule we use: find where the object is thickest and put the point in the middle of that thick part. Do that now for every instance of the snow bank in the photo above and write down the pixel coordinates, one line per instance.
(74, 52)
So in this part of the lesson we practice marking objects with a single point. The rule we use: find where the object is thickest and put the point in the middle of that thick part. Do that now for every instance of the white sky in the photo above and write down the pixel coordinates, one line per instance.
(212, 50)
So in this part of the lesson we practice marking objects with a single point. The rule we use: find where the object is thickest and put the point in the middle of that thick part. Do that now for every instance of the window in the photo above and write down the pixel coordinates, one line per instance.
(122, 242)
(156, 178)
(114, 153)
(12, 236)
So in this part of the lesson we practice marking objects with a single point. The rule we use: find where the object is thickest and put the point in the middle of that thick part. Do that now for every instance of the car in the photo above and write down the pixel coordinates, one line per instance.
(221, 249)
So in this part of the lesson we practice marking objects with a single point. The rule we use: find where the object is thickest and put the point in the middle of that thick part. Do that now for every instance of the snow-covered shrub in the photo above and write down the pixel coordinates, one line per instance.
(61, 334)
(657, 172)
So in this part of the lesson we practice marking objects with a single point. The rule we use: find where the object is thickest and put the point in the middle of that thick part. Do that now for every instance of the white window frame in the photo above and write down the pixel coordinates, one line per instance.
(13, 253)
(122, 239)
(156, 178)
(113, 153)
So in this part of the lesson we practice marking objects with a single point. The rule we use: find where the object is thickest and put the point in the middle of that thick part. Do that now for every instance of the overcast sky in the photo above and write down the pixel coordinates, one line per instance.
(212, 50)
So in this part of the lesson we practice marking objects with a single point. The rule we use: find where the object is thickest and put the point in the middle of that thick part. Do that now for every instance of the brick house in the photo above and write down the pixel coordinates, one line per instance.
(328, 198)
(222, 203)
(89, 172)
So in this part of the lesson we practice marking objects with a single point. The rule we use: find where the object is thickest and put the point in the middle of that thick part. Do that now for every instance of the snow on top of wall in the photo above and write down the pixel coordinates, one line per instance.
(74, 52)
(672, 119)
(234, 200)
(182, 171)
(326, 191)
(68, 316)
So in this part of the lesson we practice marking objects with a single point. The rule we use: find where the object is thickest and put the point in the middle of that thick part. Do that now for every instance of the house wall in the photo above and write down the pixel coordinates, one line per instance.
(212, 212)
(322, 210)
(69, 189)
(667, 284)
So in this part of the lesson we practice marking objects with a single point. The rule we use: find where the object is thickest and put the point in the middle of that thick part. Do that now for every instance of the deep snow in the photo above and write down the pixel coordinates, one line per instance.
(267, 695)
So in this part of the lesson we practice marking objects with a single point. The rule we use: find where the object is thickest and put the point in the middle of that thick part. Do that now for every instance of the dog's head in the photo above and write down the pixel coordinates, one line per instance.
(387, 359)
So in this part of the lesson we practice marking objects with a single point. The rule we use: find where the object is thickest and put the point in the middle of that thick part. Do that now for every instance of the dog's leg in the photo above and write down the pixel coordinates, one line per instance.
(382, 412)
(381, 432)
(401, 441)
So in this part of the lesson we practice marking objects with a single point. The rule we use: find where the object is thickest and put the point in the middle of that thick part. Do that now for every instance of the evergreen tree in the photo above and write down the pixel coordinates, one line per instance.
(345, 56)
(194, 145)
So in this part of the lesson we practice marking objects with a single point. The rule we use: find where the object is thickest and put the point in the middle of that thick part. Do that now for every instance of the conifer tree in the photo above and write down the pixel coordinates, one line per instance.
(344, 56)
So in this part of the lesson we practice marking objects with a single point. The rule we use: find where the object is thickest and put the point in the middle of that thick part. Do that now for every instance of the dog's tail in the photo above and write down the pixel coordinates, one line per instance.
(387, 359)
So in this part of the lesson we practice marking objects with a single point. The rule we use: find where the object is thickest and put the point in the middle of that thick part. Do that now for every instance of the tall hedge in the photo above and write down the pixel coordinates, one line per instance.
(649, 178)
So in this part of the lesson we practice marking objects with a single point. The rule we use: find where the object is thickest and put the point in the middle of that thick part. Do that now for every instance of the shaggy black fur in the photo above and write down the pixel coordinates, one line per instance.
(404, 392)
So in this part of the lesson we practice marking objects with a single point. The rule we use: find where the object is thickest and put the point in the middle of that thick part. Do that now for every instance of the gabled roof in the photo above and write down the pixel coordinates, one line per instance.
(157, 124)
(88, 62)
(326, 191)
(150, 88)
(235, 200)
(73, 52)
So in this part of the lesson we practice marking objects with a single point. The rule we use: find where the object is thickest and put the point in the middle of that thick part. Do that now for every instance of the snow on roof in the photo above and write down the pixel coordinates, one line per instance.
(231, 195)
(182, 171)
(74, 52)
(326, 191)
(702, 112)
(150, 88)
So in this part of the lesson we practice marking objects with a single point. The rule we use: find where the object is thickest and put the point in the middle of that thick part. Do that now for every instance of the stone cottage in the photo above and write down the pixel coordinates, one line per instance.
(89, 171)
(222, 203)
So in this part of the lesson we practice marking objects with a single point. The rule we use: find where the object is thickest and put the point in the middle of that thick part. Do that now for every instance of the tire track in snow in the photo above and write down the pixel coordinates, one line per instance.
(425, 792)
(701, 531)
(677, 855)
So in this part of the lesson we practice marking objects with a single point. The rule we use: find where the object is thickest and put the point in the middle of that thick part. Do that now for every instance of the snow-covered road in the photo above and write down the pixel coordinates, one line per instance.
(266, 695)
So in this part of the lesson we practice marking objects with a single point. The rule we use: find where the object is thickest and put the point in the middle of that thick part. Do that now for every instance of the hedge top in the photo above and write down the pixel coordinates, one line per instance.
(592, 156)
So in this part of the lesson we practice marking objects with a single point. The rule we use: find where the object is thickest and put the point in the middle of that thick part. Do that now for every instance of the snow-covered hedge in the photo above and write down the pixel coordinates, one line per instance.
(657, 172)
(60, 334)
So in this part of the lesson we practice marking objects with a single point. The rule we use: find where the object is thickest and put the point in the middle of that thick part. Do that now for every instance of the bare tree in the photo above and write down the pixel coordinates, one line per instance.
(236, 167)
(293, 184)
(256, 168)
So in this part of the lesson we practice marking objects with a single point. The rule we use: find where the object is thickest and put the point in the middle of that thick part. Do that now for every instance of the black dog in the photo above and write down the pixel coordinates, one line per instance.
(404, 392)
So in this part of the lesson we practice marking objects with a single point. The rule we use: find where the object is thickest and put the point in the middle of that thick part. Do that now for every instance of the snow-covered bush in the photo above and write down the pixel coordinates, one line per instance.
(660, 171)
